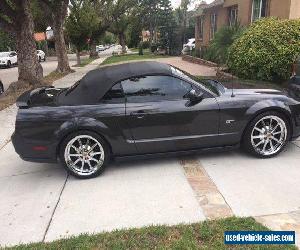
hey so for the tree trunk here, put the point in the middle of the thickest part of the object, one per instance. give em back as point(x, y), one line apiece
point(78, 57)
point(30, 70)
point(93, 52)
point(122, 42)
point(58, 31)
point(60, 48)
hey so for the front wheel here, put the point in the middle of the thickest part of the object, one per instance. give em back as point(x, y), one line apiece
point(84, 154)
point(267, 135)
point(8, 64)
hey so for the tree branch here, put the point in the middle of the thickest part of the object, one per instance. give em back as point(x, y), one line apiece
point(7, 10)
point(5, 25)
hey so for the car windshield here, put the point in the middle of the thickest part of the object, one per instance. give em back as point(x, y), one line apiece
point(211, 85)
point(4, 54)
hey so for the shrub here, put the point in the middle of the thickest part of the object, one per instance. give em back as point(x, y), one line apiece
point(146, 44)
point(141, 52)
point(153, 47)
point(224, 38)
point(266, 50)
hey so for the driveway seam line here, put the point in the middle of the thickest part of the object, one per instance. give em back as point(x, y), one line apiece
point(33, 172)
point(209, 197)
point(54, 210)
point(5, 143)
point(275, 214)
point(295, 144)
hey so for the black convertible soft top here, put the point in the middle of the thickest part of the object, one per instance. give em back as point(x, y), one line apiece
point(94, 85)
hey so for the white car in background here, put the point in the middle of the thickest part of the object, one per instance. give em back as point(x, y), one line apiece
point(100, 48)
point(41, 55)
point(7, 59)
point(191, 43)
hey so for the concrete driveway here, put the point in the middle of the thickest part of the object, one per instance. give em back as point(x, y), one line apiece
point(40, 202)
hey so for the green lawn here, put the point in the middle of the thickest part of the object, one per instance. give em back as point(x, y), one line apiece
point(205, 235)
point(133, 57)
point(85, 62)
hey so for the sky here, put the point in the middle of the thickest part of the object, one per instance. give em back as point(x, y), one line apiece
point(176, 3)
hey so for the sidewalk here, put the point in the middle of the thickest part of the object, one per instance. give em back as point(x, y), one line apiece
point(8, 115)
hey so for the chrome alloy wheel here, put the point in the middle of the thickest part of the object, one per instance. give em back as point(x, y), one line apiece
point(269, 135)
point(84, 155)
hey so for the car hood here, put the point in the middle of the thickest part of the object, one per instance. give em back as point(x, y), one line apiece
point(4, 58)
point(254, 92)
point(264, 93)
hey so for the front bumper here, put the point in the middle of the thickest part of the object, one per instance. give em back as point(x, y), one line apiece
point(26, 150)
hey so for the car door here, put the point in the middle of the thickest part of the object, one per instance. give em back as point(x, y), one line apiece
point(162, 118)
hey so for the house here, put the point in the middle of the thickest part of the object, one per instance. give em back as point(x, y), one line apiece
point(211, 17)
point(39, 37)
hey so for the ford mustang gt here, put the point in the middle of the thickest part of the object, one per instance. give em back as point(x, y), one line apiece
point(148, 109)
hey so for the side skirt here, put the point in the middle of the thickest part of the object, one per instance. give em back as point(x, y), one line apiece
point(176, 153)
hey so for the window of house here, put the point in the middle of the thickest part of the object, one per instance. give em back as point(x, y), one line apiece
point(233, 15)
point(213, 25)
point(155, 88)
point(259, 9)
point(201, 25)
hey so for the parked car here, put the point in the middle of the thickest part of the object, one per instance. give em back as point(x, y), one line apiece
point(143, 109)
point(100, 48)
point(41, 55)
point(190, 44)
point(1, 87)
point(7, 59)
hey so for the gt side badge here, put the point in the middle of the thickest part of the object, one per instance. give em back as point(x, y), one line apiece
point(229, 121)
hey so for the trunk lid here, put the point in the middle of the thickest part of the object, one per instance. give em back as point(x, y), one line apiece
point(44, 96)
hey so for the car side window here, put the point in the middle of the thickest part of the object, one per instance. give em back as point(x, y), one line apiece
point(155, 88)
point(114, 95)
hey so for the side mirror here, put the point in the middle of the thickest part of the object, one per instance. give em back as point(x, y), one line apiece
point(195, 97)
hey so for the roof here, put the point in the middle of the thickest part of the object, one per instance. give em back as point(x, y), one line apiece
point(94, 85)
point(214, 4)
point(39, 37)
point(203, 6)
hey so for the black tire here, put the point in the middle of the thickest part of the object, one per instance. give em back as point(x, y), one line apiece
point(96, 137)
point(44, 58)
point(1, 88)
point(8, 64)
point(247, 141)
point(40, 59)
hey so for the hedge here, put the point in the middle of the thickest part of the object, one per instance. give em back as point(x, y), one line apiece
point(266, 51)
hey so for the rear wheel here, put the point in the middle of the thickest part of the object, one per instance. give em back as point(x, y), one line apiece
point(1, 88)
point(84, 154)
point(267, 135)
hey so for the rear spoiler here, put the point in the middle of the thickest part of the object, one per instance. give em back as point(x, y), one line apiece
point(26, 98)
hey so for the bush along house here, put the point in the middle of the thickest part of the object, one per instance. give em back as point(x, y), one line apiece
point(211, 17)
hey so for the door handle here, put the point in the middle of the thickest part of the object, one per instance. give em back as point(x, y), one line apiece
point(138, 114)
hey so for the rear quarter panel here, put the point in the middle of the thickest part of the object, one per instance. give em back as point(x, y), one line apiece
point(50, 125)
